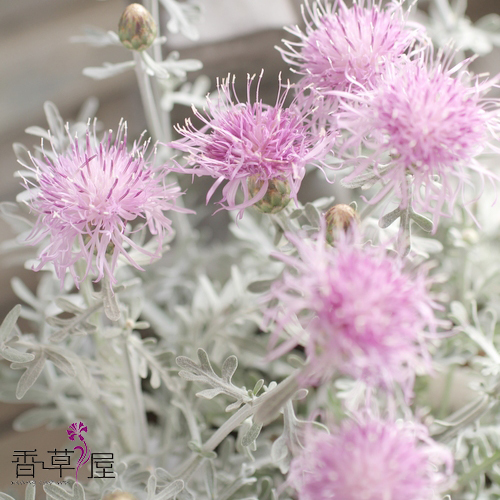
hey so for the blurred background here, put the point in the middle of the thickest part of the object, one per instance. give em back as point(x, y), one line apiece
point(39, 64)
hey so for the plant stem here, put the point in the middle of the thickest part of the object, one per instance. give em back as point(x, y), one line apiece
point(138, 409)
point(148, 101)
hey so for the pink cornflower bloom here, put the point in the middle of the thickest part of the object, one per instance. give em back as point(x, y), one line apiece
point(371, 459)
point(244, 141)
point(346, 48)
point(360, 313)
point(87, 198)
point(421, 129)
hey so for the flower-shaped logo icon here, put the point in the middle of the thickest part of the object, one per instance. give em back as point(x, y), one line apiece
point(77, 429)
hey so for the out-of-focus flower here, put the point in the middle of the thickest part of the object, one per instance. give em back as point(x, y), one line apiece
point(361, 313)
point(371, 459)
point(245, 141)
point(346, 48)
point(87, 198)
point(421, 128)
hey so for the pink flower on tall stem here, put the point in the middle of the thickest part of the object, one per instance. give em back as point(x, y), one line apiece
point(88, 198)
point(371, 459)
point(346, 48)
point(361, 313)
point(421, 129)
point(246, 146)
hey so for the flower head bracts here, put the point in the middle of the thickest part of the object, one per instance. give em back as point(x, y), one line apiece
point(86, 199)
point(423, 125)
point(362, 314)
point(243, 140)
point(346, 48)
point(372, 459)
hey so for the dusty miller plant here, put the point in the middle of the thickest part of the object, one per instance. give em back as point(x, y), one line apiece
point(315, 352)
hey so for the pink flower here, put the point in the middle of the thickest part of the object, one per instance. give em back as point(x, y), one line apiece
point(346, 48)
point(422, 127)
point(244, 140)
point(87, 198)
point(371, 459)
point(362, 314)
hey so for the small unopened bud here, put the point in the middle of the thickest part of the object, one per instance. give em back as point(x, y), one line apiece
point(137, 28)
point(277, 195)
point(339, 218)
point(119, 495)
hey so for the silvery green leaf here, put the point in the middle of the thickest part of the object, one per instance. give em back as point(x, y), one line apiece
point(30, 492)
point(181, 17)
point(459, 312)
point(313, 215)
point(389, 218)
point(24, 293)
point(9, 322)
point(422, 222)
point(97, 37)
point(56, 123)
point(56, 492)
point(22, 154)
point(170, 491)
point(17, 222)
point(38, 132)
point(34, 418)
point(210, 480)
point(279, 452)
point(205, 373)
point(257, 387)
point(68, 306)
point(260, 286)
point(30, 376)
point(251, 435)
point(110, 300)
point(4, 496)
point(107, 70)
point(209, 393)
point(228, 368)
point(16, 356)
point(60, 360)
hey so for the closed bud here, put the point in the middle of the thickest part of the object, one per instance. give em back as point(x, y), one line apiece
point(277, 195)
point(339, 218)
point(137, 28)
point(119, 495)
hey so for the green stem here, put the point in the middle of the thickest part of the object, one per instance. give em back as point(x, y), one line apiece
point(148, 101)
point(137, 402)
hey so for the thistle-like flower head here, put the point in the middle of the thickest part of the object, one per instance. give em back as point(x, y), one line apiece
point(252, 142)
point(346, 47)
point(361, 313)
point(424, 120)
point(90, 199)
point(371, 459)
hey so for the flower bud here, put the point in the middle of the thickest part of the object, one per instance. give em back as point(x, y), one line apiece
point(119, 495)
point(339, 218)
point(277, 195)
point(137, 28)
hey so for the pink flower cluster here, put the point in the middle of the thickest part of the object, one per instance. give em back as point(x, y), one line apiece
point(371, 459)
point(362, 313)
point(243, 140)
point(87, 200)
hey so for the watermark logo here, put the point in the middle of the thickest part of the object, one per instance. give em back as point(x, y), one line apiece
point(101, 463)
point(74, 431)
